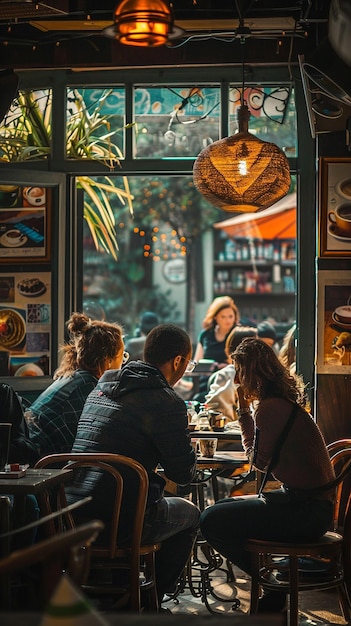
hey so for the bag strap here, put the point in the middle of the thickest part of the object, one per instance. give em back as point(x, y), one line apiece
point(276, 452)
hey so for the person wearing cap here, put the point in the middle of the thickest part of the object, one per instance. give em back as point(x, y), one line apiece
point(266, 332)
point(135, 345)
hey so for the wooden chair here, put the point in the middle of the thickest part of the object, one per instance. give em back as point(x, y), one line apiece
point(136, 562)
point(68, 552)
point(277, 566)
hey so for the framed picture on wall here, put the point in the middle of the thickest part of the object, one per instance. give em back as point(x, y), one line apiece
point(334, 322)
point(24, 223)
point(335, 207)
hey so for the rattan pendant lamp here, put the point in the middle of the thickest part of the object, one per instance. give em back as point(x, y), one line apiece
point(242, 172)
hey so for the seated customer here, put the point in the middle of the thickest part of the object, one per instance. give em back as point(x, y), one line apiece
point(12, 412)
point(267, 332)
point(291, 514)
point(222, 395)
point(94, 346)
point(135, 345)
point(135, 412)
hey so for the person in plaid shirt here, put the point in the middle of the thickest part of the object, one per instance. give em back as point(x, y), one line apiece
point(94, 347)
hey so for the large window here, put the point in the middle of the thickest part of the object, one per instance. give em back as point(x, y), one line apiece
point(162, 262)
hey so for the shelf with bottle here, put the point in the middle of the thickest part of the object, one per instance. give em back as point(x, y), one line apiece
point(269, 279)
point(258, 250)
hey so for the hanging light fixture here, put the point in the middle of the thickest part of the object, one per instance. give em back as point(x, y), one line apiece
point(147, 23)
point(242, 172)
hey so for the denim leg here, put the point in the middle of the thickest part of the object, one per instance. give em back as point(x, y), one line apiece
point(174, 522)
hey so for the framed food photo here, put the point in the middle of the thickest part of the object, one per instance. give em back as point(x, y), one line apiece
point(334, 322)
point(24, 224)
point(25, 323)
point(335, 207)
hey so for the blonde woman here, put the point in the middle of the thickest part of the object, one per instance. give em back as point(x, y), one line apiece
point(222, 315)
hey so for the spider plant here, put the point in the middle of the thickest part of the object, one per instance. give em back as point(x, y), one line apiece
point(25, 134)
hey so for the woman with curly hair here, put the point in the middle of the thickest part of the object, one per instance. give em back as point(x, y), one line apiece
point(93, 347)
point(290, 513)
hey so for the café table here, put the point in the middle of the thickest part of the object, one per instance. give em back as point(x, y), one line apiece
point(37, 482)
point(227, 439)
point(204, 560)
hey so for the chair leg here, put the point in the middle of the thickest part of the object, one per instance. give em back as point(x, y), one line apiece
point(344, 602)
point(150, 575)
point(255, 587)
point(294, 592)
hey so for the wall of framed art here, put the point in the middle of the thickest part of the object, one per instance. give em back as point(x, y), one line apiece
point(335, 208)
point(31, 270)
point(333, 297)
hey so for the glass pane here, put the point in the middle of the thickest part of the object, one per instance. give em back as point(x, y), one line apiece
point(272, 115)
point(155, 250)
point(95, 120)
point(25, 132)
point(175, 122)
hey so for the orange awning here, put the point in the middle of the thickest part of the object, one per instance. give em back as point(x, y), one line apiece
point(277, 222)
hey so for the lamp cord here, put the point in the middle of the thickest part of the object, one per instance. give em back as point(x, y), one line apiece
point(242, 43)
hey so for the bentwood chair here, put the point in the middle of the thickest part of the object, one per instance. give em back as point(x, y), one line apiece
point(125, 573)
point(324, 564)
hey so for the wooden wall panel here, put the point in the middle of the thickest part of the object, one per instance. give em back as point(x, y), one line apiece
point(333, 406)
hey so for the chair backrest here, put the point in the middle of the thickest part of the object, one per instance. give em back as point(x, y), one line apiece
point(113, 464)
point(341, 461)
point(339, 444)
point(68, 552)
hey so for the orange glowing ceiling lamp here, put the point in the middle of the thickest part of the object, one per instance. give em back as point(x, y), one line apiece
point(147, 23)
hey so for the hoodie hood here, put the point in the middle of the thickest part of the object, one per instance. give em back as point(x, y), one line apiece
point(135, 376)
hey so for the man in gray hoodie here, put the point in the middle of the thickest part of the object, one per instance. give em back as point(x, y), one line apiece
point(136, 412)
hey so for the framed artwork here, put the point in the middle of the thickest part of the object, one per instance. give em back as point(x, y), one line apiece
point(24, 223)
point(335, 207)
point(25, 323)
point(334, 323)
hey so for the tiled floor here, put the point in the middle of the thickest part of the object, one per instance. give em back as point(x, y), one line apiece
point(317, 608)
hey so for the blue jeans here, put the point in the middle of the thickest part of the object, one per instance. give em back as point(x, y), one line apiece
point(274, 517)
point(174, 522)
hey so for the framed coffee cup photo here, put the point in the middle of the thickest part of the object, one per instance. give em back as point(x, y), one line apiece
point(25, 225)
point(334, 322)
point(335, 207)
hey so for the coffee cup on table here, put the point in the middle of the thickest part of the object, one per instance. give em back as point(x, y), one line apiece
point(340, 218)
point(208, 446)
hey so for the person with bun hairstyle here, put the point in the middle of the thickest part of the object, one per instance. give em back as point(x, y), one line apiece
point(93, 347)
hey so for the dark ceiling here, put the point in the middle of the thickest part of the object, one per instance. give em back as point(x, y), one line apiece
point(68, 33)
